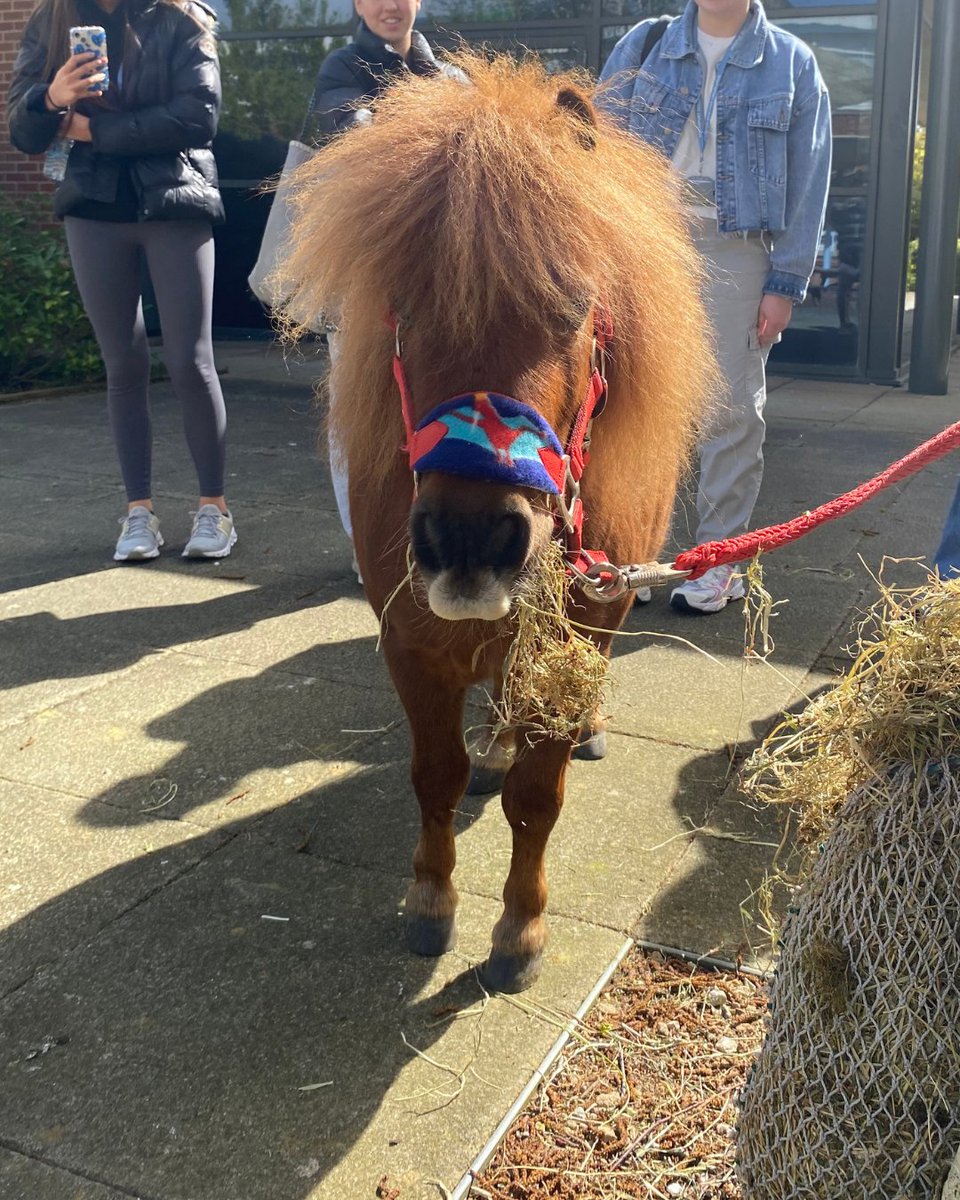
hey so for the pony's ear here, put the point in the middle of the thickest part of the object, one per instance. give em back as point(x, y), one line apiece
point(575, 103)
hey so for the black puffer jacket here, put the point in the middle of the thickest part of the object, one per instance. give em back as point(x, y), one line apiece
point(161, 131)
point(358, 73)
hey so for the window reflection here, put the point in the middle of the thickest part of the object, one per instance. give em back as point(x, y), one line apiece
point(555, 53)
point(639, 10)
point(474, 12)
point(825, 329)
point(776, 6)
point(239, 16)
point(267, 85)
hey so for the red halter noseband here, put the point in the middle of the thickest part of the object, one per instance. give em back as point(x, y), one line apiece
point(485, 435)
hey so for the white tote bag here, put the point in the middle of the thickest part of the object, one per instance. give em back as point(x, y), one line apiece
point(263, 278)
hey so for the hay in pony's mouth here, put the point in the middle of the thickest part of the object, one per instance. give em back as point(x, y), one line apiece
point(553, 676)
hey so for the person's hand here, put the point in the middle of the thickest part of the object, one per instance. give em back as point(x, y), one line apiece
point(773, 316)
point(72, 82)
point(77, 126)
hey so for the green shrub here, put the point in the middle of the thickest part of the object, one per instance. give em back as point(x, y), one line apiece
point(46, 339)
point(912, 268)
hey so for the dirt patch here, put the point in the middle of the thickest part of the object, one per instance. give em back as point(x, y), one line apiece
point(641, 1103)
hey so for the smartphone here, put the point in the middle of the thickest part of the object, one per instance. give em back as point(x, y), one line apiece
point(87, 39)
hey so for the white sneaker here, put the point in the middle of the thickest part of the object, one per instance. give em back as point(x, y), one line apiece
point(642, 596)
point(140, 536)
point(213, 534)
point(711, 592)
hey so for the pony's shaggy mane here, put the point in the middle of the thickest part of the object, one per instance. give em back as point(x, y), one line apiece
point(461, 207)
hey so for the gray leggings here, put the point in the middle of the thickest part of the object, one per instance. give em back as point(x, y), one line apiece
point(107, 265)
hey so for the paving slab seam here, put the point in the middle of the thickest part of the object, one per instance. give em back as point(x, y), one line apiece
point(465, 1186)
point(463, 890)
point(226, 838)
point(12, 1148)
point(660, 741)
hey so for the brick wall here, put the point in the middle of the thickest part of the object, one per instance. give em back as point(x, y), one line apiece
point(19, 175)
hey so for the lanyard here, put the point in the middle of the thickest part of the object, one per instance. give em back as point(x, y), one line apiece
point(704, 115)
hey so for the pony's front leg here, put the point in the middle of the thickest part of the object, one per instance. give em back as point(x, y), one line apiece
point(532, 798)
point(439, 771)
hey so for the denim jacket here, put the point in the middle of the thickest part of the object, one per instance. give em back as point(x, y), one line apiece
point(773, 129)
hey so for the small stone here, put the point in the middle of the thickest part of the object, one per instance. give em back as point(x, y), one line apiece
point(609, 1099)
point(727, 1045)
point(579, 1113)
point(724, 1130)
point(716, 997)
point(607, 1133)
point(674, 1189)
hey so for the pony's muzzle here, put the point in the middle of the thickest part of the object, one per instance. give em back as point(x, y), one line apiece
point(470, 546)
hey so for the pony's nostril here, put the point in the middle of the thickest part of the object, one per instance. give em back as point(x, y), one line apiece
point(509, 541)
point(426, 540)
point(469, 542)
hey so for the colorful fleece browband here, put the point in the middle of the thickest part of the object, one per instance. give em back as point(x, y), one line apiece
point(484, 435)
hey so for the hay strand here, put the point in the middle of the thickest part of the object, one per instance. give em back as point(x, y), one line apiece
point(553, 677)
point(899, 703)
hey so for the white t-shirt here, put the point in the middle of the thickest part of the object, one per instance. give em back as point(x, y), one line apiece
point(686, 157)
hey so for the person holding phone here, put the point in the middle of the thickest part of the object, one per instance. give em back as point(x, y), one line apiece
point(740, 108)
point(140, 180)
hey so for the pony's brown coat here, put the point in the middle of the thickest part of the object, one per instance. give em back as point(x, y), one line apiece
point(493, 220)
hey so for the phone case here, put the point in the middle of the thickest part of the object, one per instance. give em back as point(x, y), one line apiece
point(85, 39)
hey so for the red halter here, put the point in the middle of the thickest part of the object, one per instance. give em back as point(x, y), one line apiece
point(563, 470)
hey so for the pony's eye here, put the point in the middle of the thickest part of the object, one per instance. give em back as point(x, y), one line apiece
point(576, 301)
point(578, 308)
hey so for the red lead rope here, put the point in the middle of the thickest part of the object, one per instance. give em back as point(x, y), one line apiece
point(731, 550)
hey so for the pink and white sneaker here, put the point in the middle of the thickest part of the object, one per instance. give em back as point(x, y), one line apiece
point(708, 594)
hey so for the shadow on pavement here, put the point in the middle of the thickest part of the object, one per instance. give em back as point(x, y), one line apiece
point(174, 1046)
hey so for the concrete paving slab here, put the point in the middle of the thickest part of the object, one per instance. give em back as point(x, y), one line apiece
point(180, 1038)
point(56, 640)
point(709, 899)
point(605, 861)
point(186, 736)
point(24, 1178)
point(652, 689)
point(897, 410)
point(58, 869)
point(253, 711)
point(332, 637)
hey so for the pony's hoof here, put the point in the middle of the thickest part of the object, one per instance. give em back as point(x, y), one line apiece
point(485, 781)
point(431, 936)
point(592, 746)
point(510, 972)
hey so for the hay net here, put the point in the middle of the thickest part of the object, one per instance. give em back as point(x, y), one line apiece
point(856, 1090)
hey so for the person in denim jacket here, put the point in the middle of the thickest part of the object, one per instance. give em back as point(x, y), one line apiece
point(740, 108)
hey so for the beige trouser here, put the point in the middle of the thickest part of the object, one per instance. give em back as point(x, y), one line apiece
point(731, 452)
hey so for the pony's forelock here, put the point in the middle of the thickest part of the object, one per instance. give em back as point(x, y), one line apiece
point(462, 206)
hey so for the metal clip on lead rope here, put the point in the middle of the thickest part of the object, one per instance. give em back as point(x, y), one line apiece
point(623, 579)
